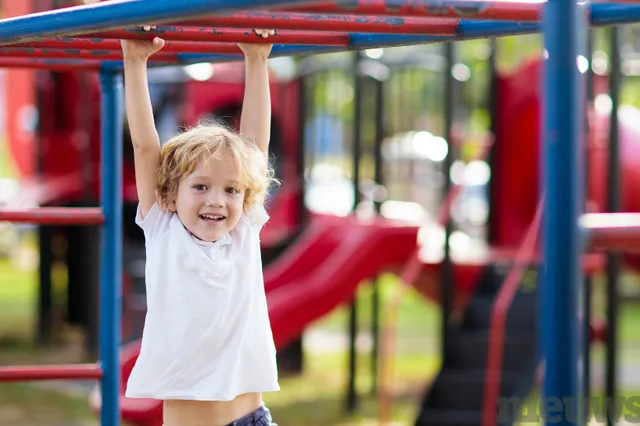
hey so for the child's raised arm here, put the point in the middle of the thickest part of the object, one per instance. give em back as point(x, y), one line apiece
point(255, 121)
point(144, 136)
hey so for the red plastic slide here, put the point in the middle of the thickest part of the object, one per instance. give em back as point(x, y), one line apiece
point(319, 272)
point(347, 253)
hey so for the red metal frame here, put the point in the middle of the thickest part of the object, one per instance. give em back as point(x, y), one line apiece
point(206, 40)
point(328, 22)
point(526, 254)
point(50, 372)
point(52, 65)
point(494, 10)
point(228, 35)
point(28, 52)
point(54, 216)
point(613, 231)
point(114, 45)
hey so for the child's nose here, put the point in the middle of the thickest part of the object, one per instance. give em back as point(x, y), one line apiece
point(216, 198)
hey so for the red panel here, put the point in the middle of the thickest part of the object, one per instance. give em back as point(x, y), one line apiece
point(54, 215)
point(50, 372)
point(515, 160)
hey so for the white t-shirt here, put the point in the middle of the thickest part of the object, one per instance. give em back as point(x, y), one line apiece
point(207, 334)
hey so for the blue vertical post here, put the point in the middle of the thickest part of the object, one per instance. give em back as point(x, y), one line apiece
point(563, 190)
point(111, 255)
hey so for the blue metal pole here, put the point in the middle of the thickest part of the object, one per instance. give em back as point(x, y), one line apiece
point(116, 15)
point(563, 190)
point(111, 254)
point(614, 13)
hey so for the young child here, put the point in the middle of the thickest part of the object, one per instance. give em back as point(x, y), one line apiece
point(207, 348)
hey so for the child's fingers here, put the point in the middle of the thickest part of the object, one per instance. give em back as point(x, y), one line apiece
point(264, 33)
point(148, 27)
point(158, 42)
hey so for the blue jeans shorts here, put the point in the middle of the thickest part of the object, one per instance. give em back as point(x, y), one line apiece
point(260, 417)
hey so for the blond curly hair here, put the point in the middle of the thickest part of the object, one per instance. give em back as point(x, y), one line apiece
point(181, 155)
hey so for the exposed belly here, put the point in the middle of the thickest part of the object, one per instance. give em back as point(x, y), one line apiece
point(209, 413)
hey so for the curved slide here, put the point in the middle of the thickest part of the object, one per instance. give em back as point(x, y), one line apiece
point(307, 284)
point(318, 273)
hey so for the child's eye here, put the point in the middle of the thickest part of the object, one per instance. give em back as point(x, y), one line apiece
point(199, 187)
point(232, 191)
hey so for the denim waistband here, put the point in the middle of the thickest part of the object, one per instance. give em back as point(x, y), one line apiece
point(260, 417)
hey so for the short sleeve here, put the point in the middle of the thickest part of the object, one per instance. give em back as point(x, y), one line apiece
point(257, 217)
point(155, 222)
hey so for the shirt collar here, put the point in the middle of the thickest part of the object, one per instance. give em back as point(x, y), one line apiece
point(222, 241)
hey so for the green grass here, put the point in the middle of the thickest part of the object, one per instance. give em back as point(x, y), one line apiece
point(28, 405)
point(415, 313)
point(17, 302)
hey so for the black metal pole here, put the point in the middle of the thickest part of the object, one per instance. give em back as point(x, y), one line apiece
point(302, 105)
point(613, 205)
point(293, 354)
point(587, 289)
point(44, 303)
point(352, 397)
point(493, 106)
point(378, 178)
point(446, 281)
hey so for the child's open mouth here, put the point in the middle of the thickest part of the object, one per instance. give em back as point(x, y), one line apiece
point(212, 217)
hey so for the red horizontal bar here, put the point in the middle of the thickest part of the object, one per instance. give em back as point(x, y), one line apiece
point(52, 65)
point(28, 52)
point(327, 22)
point(227, 35)
point(55, 216)
point(50, 372)
point(612, 230)
point(494, 10)
point(114, 45)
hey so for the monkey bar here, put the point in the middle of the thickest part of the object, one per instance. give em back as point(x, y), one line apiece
point(54, 216)
point(196, 34)
point(53, 372)
point(619, 231)
point(491, 10)
point(85, 37)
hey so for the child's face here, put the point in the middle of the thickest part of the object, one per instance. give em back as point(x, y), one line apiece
point(210, 200)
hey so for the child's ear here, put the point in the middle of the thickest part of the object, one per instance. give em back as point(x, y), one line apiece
point(172, 206)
